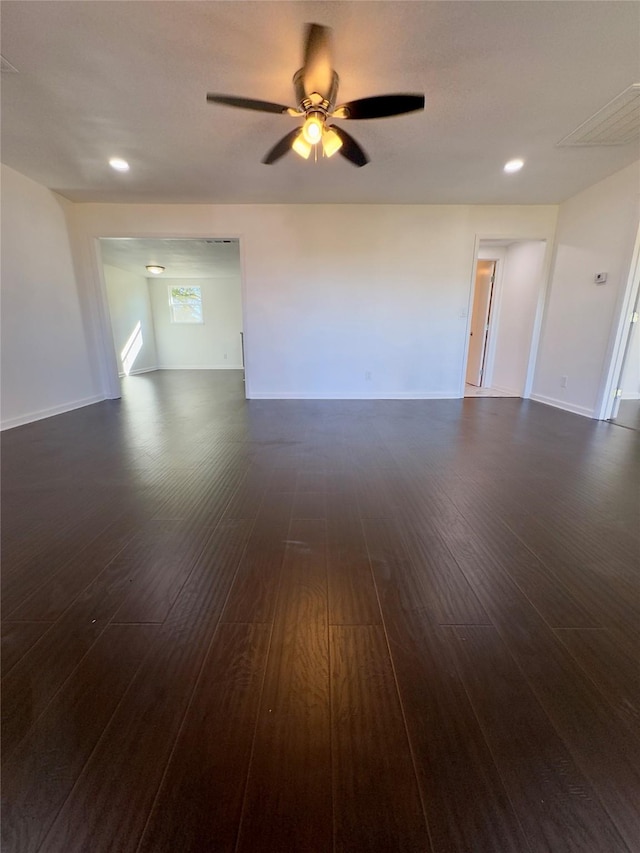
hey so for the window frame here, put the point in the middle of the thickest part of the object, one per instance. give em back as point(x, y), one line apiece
point(172, 306)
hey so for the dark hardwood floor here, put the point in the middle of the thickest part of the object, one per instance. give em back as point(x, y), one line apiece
point(319, 626)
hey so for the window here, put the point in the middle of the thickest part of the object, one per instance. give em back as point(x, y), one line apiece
point(185, 304)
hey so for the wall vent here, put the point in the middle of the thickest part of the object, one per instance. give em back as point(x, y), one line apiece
point(7, 66)
point(617, 123)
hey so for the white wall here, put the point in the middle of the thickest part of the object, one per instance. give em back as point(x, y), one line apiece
point(45, 359)
point(596, 232)
point(335, 292)
point(516, 311)
point(330, 293)
point(130, 307)
point(215, 344)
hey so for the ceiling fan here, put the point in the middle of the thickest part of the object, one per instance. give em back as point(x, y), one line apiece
point(316, 89)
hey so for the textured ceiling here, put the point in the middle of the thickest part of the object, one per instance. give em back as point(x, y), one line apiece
point(502, 80)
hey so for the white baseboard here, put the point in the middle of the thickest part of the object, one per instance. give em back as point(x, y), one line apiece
point(563, 404)
point(630, 395)
point(504, 390)
point(137, 372)
point(225, 366)
point(10, 423)
point(353, 395)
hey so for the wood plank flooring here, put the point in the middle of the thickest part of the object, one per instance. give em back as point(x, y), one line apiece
point(319, 626)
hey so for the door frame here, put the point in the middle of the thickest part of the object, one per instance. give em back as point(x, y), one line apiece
point(494, 321)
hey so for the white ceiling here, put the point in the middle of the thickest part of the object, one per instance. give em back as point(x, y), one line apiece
point(502, 79)
point(180, 258)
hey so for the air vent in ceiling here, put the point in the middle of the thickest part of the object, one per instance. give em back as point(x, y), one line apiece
point(7, 66)
point(617, 123)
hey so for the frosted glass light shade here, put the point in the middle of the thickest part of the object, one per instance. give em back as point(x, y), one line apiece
point(312, 130)
point(331, 142)
point(301, 146)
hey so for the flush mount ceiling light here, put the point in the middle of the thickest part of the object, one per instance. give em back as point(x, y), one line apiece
point(316, 89)
point(154, 269)
point(513, 166)
point(119, 164)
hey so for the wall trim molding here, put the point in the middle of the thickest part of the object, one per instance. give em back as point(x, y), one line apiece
point(630, 395)
point(136, 372)
point(562, 404)
point(40, 415)
point(180, 367)
point(504, 390)
point(226, 366)
point(354, 395)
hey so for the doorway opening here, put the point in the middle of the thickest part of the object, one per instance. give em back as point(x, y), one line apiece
point(505, 304)
point(480, 321)
point(173, 304)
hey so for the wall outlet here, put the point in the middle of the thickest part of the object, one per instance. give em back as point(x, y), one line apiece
point(367, 375)
point(600, 278)
point(563, 381)
point(225, 356)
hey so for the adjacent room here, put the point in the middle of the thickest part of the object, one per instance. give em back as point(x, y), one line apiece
point(173, 304)
point(319, 426)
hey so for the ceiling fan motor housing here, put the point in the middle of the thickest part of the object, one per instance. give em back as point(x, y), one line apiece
point(315, 100)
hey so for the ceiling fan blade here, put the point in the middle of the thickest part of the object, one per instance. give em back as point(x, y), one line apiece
point(281, 147)
point(350, 148)
point(247, 103)
point(317, 70)
point(380, 106)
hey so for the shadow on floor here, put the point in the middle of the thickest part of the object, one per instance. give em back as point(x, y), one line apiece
point(628, 415)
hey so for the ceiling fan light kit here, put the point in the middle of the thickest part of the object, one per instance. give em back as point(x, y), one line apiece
point(316, 90)
point(301, 146)
point(331, 142)
point(313, 127)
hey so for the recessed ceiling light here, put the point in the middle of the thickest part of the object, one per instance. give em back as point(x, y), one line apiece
point(154, 269)
point(513, 166)
point(119, 164)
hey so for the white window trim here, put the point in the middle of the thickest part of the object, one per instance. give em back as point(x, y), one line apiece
point(172, 318)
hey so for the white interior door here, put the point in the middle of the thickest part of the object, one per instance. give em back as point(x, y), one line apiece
point(629, 382)
point(480, 321)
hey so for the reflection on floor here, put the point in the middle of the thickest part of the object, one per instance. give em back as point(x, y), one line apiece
point(474, 391)
point(628, 414)
point(286, 625)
